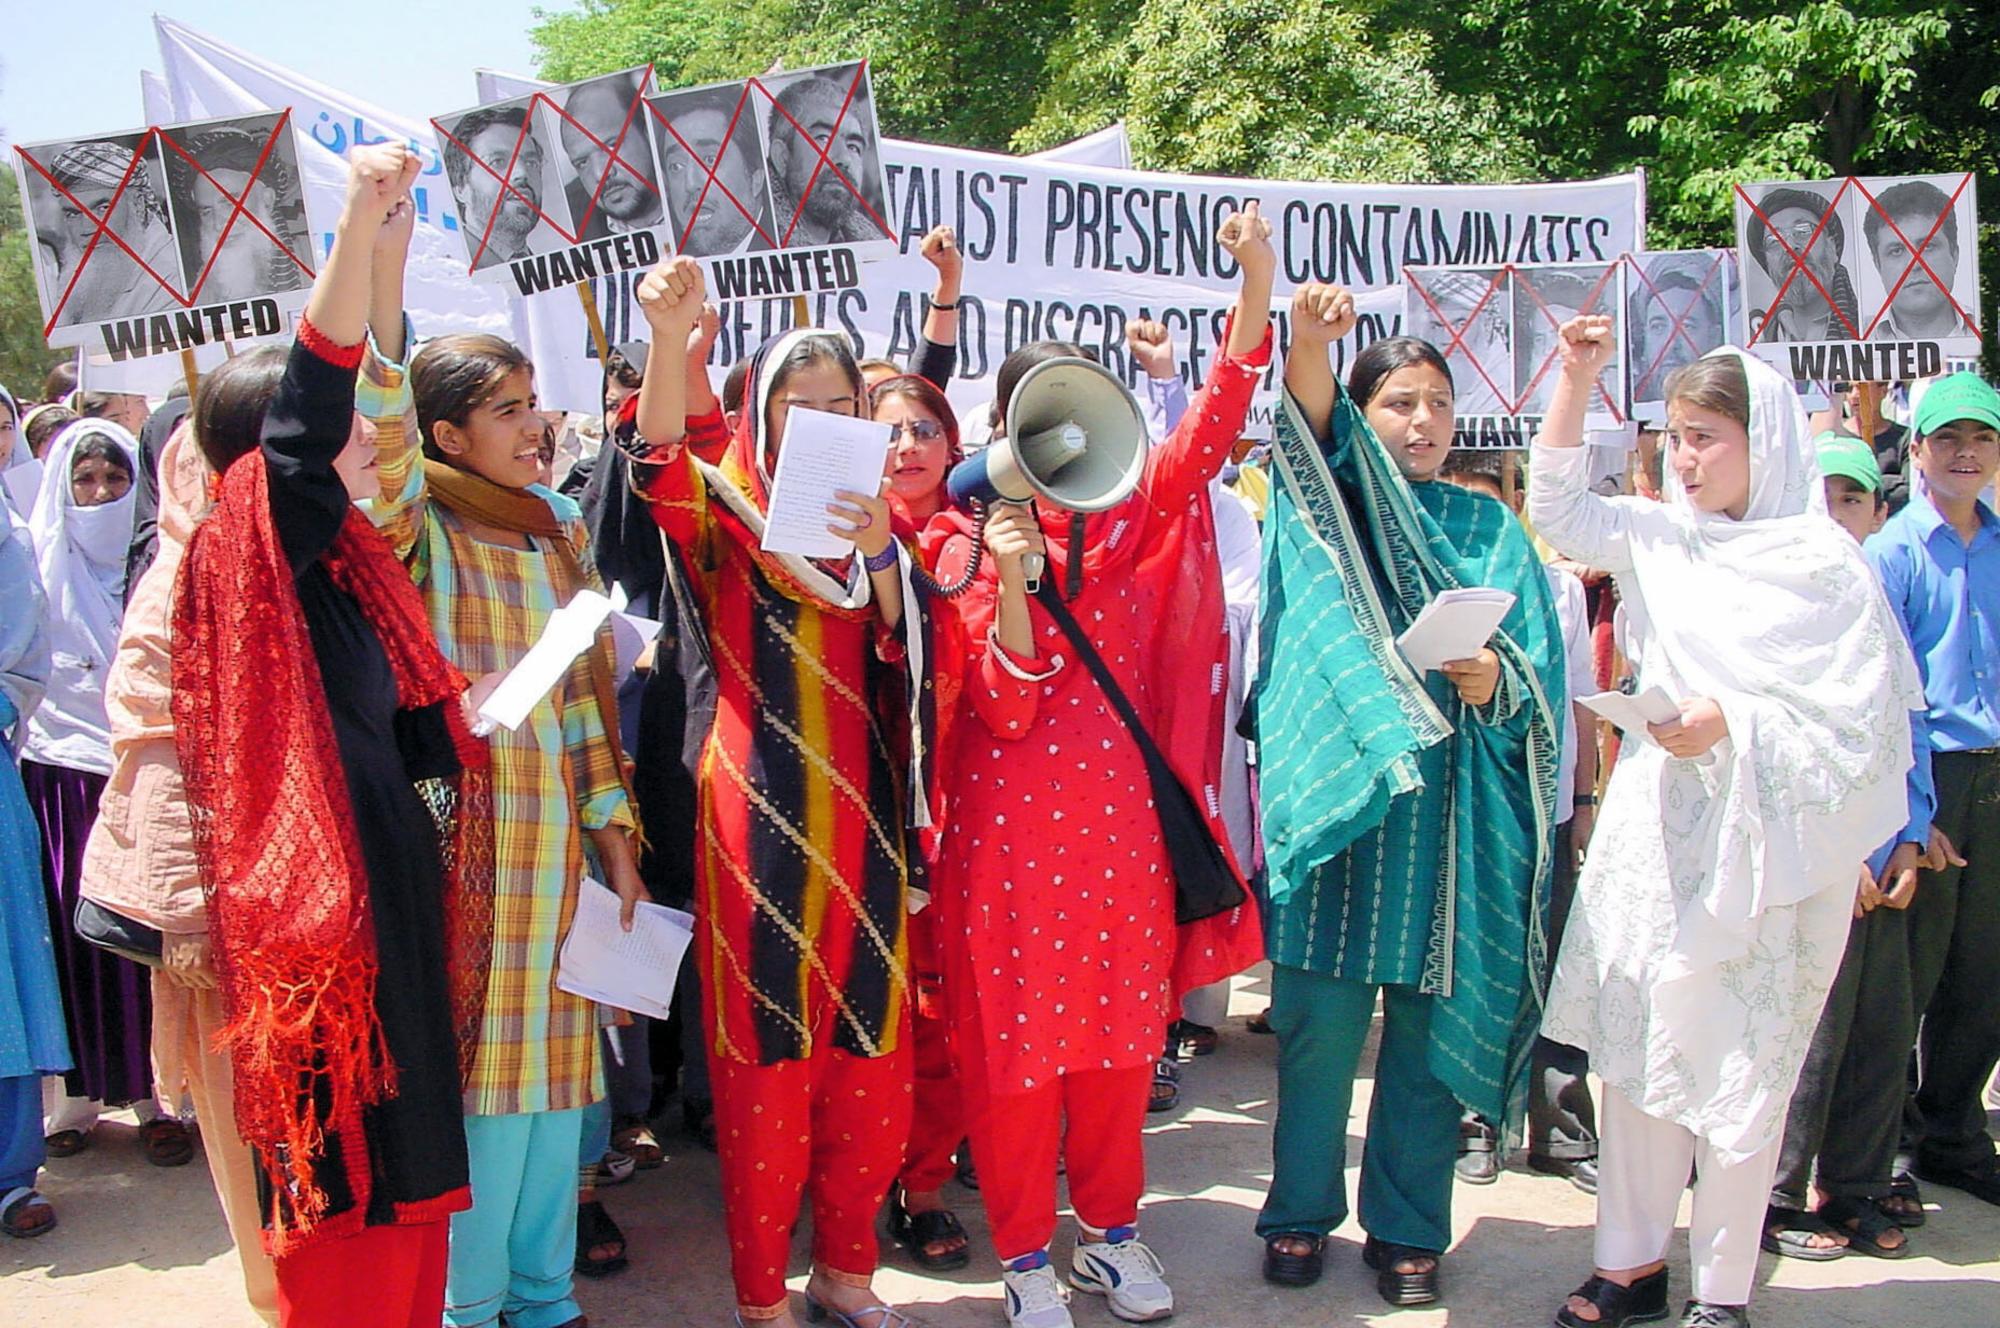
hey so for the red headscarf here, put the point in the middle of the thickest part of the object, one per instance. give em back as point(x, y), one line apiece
point(275, 843)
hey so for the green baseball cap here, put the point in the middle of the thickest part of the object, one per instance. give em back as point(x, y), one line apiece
point(1844, 455)
point(1962, 396)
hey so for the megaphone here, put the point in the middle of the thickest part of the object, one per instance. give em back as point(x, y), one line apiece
point(1075, 437)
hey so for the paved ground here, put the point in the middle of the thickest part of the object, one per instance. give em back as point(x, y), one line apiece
point(140, 1247)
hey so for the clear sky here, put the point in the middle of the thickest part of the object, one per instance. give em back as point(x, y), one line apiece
point(72, 66)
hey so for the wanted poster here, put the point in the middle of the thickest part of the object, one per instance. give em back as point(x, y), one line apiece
point(1498, 329)
point(1862, 279)
point(170, 237)
point(1680, 305)
point(558, 186)
point(776, 183)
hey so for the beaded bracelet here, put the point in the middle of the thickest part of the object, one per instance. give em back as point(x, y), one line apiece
point(883, 561)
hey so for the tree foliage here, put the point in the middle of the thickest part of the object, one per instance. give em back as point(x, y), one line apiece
point(25, 358)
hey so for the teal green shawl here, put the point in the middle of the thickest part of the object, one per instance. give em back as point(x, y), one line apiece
point(1352, 552)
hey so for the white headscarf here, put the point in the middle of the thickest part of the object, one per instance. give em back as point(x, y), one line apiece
point(1779, 619)
point(81, 553)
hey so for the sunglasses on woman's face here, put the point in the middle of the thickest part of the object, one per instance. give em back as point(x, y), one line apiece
point(923, 431)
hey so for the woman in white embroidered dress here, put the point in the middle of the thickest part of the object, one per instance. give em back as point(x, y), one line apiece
point(1712, 912)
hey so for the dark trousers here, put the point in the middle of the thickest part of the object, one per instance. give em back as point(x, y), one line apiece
point(1954, 937)
point(1562, 1119)
point(1847, 1111)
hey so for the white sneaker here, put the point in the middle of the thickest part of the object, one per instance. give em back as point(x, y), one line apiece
point(1126, 1274)
point(1035, 1298)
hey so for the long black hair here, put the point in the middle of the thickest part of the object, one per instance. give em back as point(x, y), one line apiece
point(1382, 358)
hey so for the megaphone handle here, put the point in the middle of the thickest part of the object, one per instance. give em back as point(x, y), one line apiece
point(1032, 567)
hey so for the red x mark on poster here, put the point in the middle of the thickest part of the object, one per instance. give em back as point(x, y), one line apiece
point(1798, 257)
point(102, 224)
point(1917, 258)
point(1458, 330)
point(1522, 281)
point(614, 160)
point(1678, 331)
point(824, 150)
point(709, 169)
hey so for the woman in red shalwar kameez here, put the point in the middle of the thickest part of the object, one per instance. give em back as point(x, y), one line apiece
point(1053, 871)
point(803, 867)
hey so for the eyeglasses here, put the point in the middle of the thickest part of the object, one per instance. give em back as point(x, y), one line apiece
point(847, 405)
point(923, 431)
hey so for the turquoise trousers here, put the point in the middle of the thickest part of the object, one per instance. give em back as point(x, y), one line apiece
point(1406, 1165)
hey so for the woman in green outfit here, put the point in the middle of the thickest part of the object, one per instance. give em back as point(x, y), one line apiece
point(1408, 817)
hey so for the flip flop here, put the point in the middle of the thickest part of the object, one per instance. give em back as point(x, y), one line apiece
point(1793, 1236)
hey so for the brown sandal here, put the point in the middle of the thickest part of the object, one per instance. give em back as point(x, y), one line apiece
point(167, 1142)
point(67, 1143)
point(636, 1140)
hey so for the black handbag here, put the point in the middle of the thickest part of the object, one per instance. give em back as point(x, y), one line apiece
point(117, 933)
point(1204, 882)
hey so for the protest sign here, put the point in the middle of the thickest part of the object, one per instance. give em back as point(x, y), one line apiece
point(1498, 328)
point(206, 78)
point(1860, 279)
point(169, 237)
point(556, 186)
point(776, 182)
point(1060, 248)
point(1680, 305)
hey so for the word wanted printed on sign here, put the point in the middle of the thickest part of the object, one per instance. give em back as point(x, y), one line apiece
point(1498, 327)
point(775, 183)
point(1860, 279)
point(557, 186)
point(169, 237)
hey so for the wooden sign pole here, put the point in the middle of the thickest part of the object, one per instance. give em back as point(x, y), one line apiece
point(1868, 419)
point(588, 298)
point(188, 370)
point(801, 312)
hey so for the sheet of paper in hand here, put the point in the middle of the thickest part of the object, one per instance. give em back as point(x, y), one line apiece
point(627, 970)
point(822, 454)
point(170, 237)
point(776, 183)
point(570, 631)
point(1498, 329)
point(558, 186)
point(1860, 279)
point(1455, 625)
point(1633, 713)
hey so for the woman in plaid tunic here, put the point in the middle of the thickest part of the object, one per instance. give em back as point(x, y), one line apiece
point(495, 555)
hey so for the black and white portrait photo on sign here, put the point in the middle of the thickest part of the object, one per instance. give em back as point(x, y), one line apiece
point(1679, 306)
point(231, 253)
point(101, 232)
point(609, 178)
point(1917, 276)
point(1546, 297)
point(825, 157)
point(1799, 254)
point(712, 165)
point(1468, 313)
point(497, 159)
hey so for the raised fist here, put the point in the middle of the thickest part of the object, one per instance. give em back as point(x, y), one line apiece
point(1321, 314)
point(1247, 237)
point(379, 177)
point(671, 297)
point(1586, 344)
point(940, 249)
point(1152, 347)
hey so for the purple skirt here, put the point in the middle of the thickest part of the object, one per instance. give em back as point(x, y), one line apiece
point(107, 1001)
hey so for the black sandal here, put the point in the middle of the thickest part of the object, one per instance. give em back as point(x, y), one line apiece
point(1643, 1302)
point(594, 1227)
point(1904, 1187)
point(1195, 1039)
point(1165, 1094)
point(1296, 1270)
point(1864, 1225)
point(917, 1232)
point(1402, 1288)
